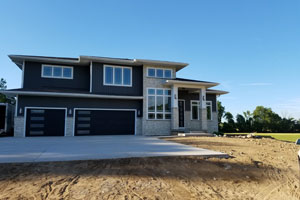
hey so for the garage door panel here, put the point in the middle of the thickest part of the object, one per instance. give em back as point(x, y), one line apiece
point(45, 122)
point(104, 122)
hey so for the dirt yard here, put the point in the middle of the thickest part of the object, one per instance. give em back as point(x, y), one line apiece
point(260, 169)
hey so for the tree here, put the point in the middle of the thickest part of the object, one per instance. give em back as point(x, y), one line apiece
point(3, 86)
point(240, 123)
point(221, 111)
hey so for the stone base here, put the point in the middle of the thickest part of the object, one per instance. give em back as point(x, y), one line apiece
point(19, 127)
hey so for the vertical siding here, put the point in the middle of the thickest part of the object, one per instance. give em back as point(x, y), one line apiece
point(34, 80)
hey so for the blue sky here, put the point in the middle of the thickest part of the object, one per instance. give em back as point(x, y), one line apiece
point(251, 47)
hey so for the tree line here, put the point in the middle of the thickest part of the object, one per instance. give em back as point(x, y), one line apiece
point(262, 120)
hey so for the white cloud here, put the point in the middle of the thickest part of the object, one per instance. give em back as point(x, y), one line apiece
point(257, 84)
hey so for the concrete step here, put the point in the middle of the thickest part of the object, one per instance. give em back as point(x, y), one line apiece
point(200, 134)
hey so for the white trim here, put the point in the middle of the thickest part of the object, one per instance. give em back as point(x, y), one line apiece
point(155, 72)
point(113, 80)
point(45, 108)
point(198, 107)
point(16, 108)
point(62, 73)
point(183, 114)
point(190, 84)
point(210, 102)
point(23, 72)
point(155, 95)
point(112, 109)
point(91, 77)
point(58, 94)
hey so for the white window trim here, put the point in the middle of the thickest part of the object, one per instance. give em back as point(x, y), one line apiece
point(62, 73)
point(155, 112)
point(198, 107)
point(155, 73)
point(122, 83)
point(210, 105)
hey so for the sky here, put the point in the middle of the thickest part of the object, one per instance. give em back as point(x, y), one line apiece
point(252, 48)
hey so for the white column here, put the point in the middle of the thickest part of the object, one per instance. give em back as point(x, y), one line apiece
point(203, 110)
point(174, 104)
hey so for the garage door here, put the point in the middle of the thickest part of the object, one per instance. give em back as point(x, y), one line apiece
point(45, 122)
point(104, 122)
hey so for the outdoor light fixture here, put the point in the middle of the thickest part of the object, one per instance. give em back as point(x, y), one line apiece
point(20, 111)
point(70, 111)
point(139, 112)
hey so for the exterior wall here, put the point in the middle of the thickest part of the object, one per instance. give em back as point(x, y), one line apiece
point(192, 125)
point(213, 98)
point(212, 125)
point(99, 88)
point(19, 127)
point(154, 127)
point(69, 126)
point(34, 80)
point(71, 103)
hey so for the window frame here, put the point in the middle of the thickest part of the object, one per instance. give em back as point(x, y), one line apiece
point(155, 72)
point(198, 107)
point(113, 72)
point(210, 105)
point(155, 112)
point(57, 66)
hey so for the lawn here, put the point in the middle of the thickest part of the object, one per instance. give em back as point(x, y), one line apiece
point(290, 137)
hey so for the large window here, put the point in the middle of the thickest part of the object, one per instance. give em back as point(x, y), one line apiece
point(159, 73)
point(209, 110)
point(117, 76)
point(195, 110)
point(159, 103)
point(53, 71)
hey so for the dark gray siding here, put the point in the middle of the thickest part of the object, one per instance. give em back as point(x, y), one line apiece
point(34, 80)
point(70, 103)
point(185, 95)
point(135, 90)
point(213, 98)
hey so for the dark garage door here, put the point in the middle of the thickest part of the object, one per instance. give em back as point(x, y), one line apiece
point(45, 122)
point(104, 122)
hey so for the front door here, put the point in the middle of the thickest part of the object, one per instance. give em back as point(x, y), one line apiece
point(181, 113)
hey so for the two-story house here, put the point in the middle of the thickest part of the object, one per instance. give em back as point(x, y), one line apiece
point(109, 96)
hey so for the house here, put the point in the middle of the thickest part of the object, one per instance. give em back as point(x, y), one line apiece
point(109, 96)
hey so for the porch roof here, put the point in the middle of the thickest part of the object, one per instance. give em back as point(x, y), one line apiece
point(189, 83)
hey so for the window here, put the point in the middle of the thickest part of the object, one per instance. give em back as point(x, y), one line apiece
point(195, 110)
point(53, 71)
point(117, 76)
point(209, 110)
point(159, 73)
point(159, 103)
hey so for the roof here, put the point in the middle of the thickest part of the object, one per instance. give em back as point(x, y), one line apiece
point(182, 82)
point(219, 92)
point(19, 59)
point(64, 93)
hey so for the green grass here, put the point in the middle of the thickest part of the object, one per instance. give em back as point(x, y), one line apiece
point(290, 137)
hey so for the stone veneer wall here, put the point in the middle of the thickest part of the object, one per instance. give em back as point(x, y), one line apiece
point(153, 127)
point(69, 126)
point(192, 125)
point(212, 125)
point(19, 127)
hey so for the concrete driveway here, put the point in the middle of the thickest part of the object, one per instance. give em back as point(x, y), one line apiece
point(40, 149)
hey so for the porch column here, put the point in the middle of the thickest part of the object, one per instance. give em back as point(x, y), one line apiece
point(203, 109)
point(174, 104)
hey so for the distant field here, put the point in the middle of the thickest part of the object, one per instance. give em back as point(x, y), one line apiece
point(290, 137)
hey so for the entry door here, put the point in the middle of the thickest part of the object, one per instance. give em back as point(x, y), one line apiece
point(181, 113)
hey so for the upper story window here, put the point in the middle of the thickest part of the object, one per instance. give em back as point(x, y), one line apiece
point(117, 75)
point(159, 73)
point(54, 71)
